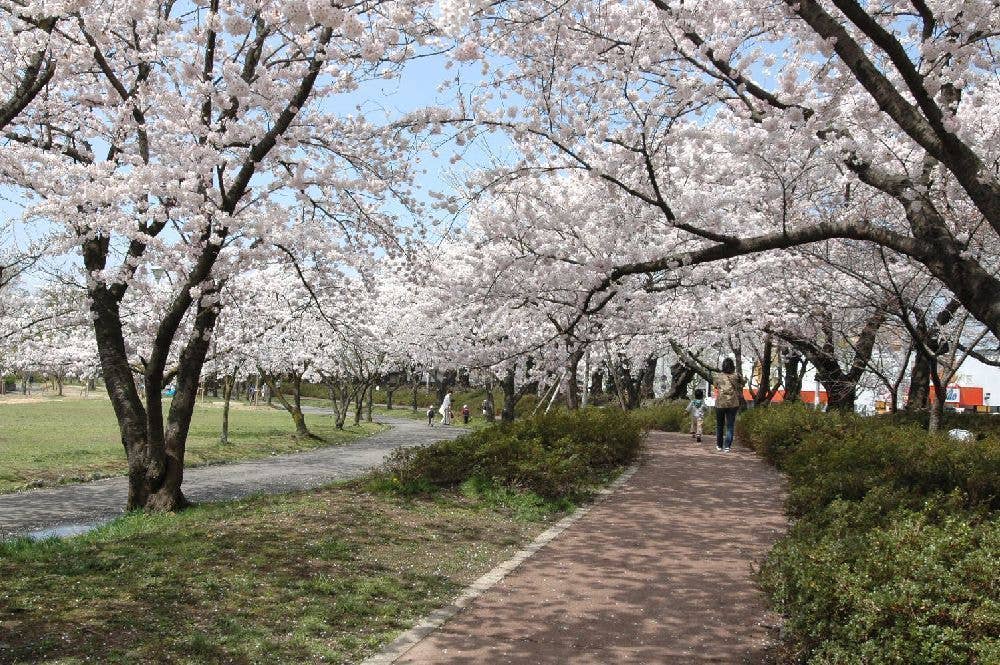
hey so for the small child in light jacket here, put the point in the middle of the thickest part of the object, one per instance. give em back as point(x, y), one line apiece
point(696, 408)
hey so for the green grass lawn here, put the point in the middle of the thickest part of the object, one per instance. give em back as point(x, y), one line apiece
point(50, 441)
point(324, 576)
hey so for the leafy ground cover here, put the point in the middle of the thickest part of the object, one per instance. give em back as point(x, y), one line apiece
point(324, 576)
point(556, 455)
point(895, 544)
point(48, 441)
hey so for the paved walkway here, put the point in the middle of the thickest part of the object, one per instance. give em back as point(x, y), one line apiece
point(660, 572)
point(71, 508)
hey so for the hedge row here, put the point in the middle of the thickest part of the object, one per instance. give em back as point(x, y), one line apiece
point(555, 455)
point(671, 416)
point(894, 555)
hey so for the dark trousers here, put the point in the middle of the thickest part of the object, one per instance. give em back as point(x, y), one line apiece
point(725, 417)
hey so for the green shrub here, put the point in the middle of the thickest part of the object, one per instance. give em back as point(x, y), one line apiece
point(895, 552)
point(775, 429)
point(920, 587)
point(671, 416)
point(555, 455)
point(980, 423)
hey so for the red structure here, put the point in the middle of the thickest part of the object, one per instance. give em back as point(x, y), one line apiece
point(962, 397)
point(805, 396)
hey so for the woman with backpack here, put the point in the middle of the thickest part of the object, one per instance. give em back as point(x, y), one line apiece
point(730, 386)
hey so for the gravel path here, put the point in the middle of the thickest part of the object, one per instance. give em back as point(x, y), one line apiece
point(660, 572)
point(73, 508)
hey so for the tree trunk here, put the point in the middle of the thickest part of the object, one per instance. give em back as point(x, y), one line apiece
point(154, 448)
point(597, 383)
point(918, 397)
point(227, 396)
point(841, 394)
point(294, 407)
point(510, 397)
point(649, 378)
point(488, 409)
point(572, 387)
point(371, 400)
point(936, 407)
point(445, 384)
point(359, 404)
point(794, 372)
point(388, 398)
point(681, 377)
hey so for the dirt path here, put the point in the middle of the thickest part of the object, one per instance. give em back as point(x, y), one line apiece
point(660, 572)
point(70, 508)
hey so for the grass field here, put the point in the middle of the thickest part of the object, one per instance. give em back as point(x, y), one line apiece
point(48, 441)
point(324, 576)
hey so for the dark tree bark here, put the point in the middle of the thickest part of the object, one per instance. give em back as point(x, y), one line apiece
point(489, 412)
point(630, 387)
point(445, 384)
point(794, 373)
point(294, 407)
point(572, 386)
point(681, 376)
point(918, 397)
point(841, 385)
point(597, 383)
point(648, 378)
point(227, 395)
point(766, 390)
point(513, 395)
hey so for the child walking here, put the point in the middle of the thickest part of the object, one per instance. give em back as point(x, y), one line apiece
point(696, 408)
point(430, 416)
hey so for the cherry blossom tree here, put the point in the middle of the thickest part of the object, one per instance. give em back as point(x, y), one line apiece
point(804, 121)
point(172, 140)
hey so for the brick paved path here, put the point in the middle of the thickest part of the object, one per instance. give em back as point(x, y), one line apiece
point(91, 503)
point(660, 572)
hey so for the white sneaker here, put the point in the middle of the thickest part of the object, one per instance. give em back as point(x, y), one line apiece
point(719, 448)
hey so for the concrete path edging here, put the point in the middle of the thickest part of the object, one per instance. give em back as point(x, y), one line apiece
point(398, 647)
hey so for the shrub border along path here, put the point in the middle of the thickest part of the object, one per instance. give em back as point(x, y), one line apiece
point(87, 504)
point(661, 571)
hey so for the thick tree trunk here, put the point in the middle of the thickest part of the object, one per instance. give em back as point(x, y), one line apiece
point(681, 377)
point(794, 372)
point(572, 387)
point(388, 398)
point(371, 400)
point(597, 383)
point(510, 397)
point(918, 397)
point(488, 409)
point(648, 378)
point(841, 394)
point(841, 386)
point(155, 454)
point(445, 384)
